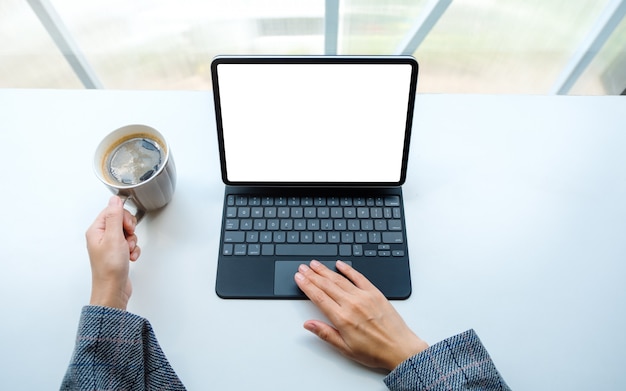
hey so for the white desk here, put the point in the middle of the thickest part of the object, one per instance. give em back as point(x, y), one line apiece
point(516, 214)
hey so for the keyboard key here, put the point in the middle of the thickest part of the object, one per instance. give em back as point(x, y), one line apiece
point(234, 237)
point(394, 225)
point(265, 237)
point(357, 250)
point(336, 213)
point(267, 249)
point(240, 249)
point(392, 237)
point(345, 250)
point(231, 225)
point(392, 201)
point(326, 225)
point(340, 225)
point(308, 250)
point(280, 237)
point(254, 249)
point(283, 212)
point(367, 225)
point(360, 237)
point(257, 212)
point(313, 225)
point(270, 212)
point(374, 237)
point(231, 212)
point(299, 225)
point(286, 225)
point(227, 249)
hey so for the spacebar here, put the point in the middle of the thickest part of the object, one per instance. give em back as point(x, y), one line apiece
point(306, 249)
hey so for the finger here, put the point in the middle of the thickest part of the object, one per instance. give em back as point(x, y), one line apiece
point(354, 276)
point(327, 333)
point(113, 218)
point(334, 284)
point(130, 223)
point(135, 254)
point(133, 248)
point(327, 305)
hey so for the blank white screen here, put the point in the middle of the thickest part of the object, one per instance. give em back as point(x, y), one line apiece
point(314, 122)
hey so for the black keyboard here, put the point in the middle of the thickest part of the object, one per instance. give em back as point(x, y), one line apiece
point(313, 226)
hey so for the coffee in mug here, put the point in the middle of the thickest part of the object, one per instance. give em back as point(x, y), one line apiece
point(136, 163)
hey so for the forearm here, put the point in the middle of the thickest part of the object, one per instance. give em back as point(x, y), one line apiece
point(117, 350)
point(460, 362)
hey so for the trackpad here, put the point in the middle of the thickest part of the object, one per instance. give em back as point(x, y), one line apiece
point(284, 285)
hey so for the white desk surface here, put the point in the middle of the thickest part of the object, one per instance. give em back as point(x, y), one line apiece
point(516, 213)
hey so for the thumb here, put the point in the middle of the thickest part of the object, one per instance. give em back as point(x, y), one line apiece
point(114, 217)
point(327, 333)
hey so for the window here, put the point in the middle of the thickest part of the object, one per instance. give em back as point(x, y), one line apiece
point(471, 46)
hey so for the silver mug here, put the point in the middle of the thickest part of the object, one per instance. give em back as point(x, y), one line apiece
point(155, 188)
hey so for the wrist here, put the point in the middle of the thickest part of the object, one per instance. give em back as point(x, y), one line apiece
point(408, 350)
point(108, 297)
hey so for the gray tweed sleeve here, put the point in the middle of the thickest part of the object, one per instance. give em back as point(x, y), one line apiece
point(460, 362)
point(117, 350)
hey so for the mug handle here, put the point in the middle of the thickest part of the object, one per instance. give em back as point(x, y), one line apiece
point(139, 213)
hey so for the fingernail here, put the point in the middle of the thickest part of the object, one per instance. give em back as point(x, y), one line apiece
point(310, 326)
point(115, 201)
point(299, 277)
point(315, 264)
point(303, 268)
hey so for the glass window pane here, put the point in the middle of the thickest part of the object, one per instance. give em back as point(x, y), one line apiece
point(606, 75)
point(490, 46)
point(375, 26)
point(28, 56)
point(146, 44)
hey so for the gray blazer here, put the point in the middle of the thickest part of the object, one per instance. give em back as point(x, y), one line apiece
point(117, 350)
